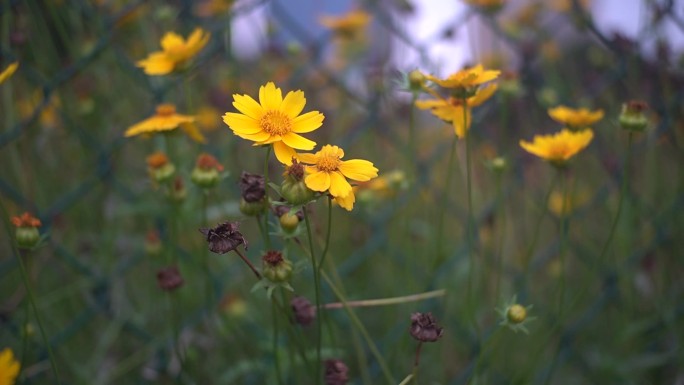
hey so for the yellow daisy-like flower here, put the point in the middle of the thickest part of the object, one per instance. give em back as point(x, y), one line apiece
point(559, 147)
point(166, 119)
point(349, 25)
point(176, 51)
point(575, 118)
point(9, 367)
point(452, 109)
point(9, 71)
point(274, 120)
point(328, 172)
point(466, 78)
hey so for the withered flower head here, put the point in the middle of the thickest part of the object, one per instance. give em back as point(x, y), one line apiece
point(273, 257)
point(253, 187)
point(224, 237)
point(157, 160)
point(208, 162)
point(303, 310)
point(295, 170)
point(169, 278)
point(424, 327)
point(336, 372)
point(26, 220)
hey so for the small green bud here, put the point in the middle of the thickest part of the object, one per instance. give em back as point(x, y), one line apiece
point(252, 209)
point(289, 222)
point(27, 237)
point(293, 188)
point(632, 117)
point(516, 314)
point(416, 80)
point(204, 178)
point(275, 267)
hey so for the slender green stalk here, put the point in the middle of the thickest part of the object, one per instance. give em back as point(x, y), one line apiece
point(470, 223)
point(535, 237)
point(441, 254)
point(502, 231)
point(387, 301)
point(623, 192)
point(267, 236)
point(562, 236)
point(317, 285)
point(406, 380)
point(416, 362)
point(276, 356)
point(209, 289)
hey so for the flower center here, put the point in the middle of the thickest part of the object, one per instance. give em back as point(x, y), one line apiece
point(276, 123)
point(328, 163)
point(558, 150)
point(166, 109)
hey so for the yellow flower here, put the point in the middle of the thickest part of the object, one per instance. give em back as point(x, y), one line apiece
point(576, 119)
point(9, 367)
point(466, 78)
point(166, 119)
point(328, 173)
point(4, 75)
point(274, 120)
point(559, 147)
point(348, 26)
point(176, 51)
point(452, 109)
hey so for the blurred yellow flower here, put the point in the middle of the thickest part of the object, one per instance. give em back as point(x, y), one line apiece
point(274, 120)
point(166, 119)
point(575, 118)
point(9, 367)
point(452, 109)
point(382, 187)
point(176, 51)
point(559, 147)
point(349, 26)
point(328, 173)
point(208, 118)
point(466, 78)
point(4, 75)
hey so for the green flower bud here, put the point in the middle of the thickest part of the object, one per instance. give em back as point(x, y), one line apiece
point(633, 117)
point(293, 188)
point(275, 267)
point(27, 237)
point(516, 314)
point(160, 168)
point(204, 178)
point(252, 209)
point(289, 222)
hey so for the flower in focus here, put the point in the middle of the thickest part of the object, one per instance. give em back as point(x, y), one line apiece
point(559, 147)
point(166, 119)
point(27, 234)
point(424, 327)
point(9, 71)
point(349, 26)
point(452, 109)
point(274, 120)
point(176, 51)
point(575, 118)
point(9, 367)
point(466, 79)
point(224, 237)
point(328, 173)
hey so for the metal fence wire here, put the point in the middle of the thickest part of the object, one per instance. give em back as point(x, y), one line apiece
point(63, 158)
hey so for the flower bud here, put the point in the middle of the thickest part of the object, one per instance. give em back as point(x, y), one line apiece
point(633, 117)
point(160, 168)
point(275, 267)
point(253, 187)
point(293, 188)
point(516, 314)
point(252, 209)
point(424, 327)
point(207, 171)
point(27, 234)
point(304, 311)
point(416, 80)
point(289, 222)
point(178, 191)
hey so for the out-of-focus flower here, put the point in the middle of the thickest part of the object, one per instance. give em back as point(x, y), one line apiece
point(466, 79)
point(177, 191)
point(49, 115)
point(633, 117)
point(208, 118)
point(383, 187)
point(234, 306)
point(349, 26)
point(560, 207)
point(274, 120)
point(27, 234)
point(213, 7)
point(424, 327)
point(224, 237)
point(575, 119)
point(452, 109)
point(9, 367)
point(336, 372)
point(559, 147)
point(304, 311)
point(176, 51)
point(328, 173)
point(207, 171)
point(515, 316)
point(4, 75)
point(166, 119)
point(153, 245)
point(169, 278)
point(159, 167)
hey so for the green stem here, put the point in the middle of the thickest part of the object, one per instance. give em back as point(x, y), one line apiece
point(412, 137)
point(276, 356)
point(205, 255)
point(416, 362)
point(317, 286)
point(267, 236)
point(470, 223)
point(502, 231)
point(443, 209)
point(327, 234)
point(563, 229)
point(537, 226)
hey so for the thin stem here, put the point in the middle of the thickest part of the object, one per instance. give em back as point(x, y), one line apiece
point(24, 330)
point(489, 344)
point(317, 286)
point(470, 223)
point(443, 209)
point(267, 236)
point(205, 254)
point(245, 260)
point(386, 301)
point(502, 231)
point(276, 356)
point(537, 226)
point(412, 136)
point(327, 234)
point(416, 362)
point(563, 240)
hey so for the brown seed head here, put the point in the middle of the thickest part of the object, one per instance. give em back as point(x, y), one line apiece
point(169, 278)
point(224, 237)
point(424, 327)
point(336, 372)
point(636, 106)
point(296, 170)
point(253, 187)
point(304, 311)
point(273, 257)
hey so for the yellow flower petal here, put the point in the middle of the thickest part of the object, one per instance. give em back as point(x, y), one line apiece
point(248, 106)
point(157, 64)
point(270, 97)
point(284, 153)
point(193, 132)
point(299, 142)
point(8, 71)
point(307, 122)
point(346, 202)
point(339, 187)
point(171, 40)
point(307, 158)
point(318, 181)
point(358, 169)
point(293, 104)
point(241, 123)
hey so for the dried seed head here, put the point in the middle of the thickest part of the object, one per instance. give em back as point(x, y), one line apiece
point(275, 267)
point(424, 327)
point(336, 372)
point(304, 311)
point(169, 278)
point(296, 170)
point(224, 237)
point(253, 187)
